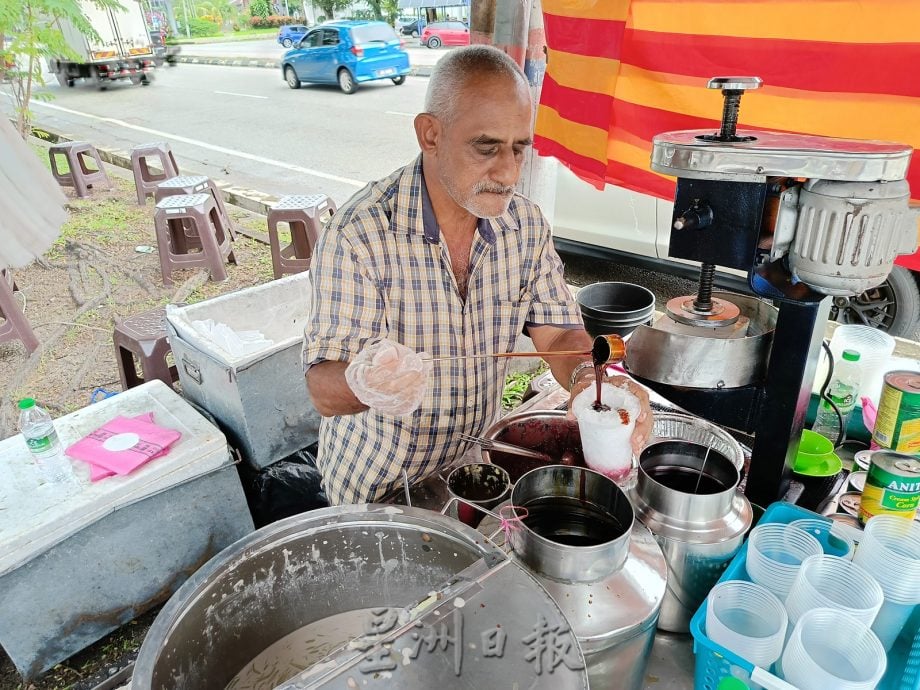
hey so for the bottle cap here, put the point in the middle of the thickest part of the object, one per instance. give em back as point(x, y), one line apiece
point(851, 355)
point(26, 403)
point(732, 683)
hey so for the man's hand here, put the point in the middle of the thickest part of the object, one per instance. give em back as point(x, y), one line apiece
point(643, 422)
point(388, 377)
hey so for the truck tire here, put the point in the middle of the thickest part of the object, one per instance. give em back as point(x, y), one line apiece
point(893, 306)
point(101, 82)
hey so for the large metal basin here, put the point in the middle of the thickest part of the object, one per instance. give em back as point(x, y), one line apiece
point(367, 560)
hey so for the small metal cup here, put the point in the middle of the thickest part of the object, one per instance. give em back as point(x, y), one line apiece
point(477, 484)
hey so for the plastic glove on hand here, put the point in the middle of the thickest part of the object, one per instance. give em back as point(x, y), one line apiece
point(388, 377)
point(643, 427)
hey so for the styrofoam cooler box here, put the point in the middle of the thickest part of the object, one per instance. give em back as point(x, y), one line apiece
point(76, 565)
point(260, 399)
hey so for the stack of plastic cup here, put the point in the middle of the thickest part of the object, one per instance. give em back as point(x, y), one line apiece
point(835, 583)
point(748, 620)
point(890, 552)
point(830, 649)
point(775, 553)
point(831, 534)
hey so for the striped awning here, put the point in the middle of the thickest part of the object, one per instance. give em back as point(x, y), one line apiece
point(621, 71)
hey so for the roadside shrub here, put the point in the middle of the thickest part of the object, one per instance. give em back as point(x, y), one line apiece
point(272, 21)
point(201, 28)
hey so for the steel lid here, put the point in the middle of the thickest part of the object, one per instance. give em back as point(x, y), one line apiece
point(778, 154)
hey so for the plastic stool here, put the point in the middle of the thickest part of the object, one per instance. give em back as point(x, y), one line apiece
point(304, 216)
point(199, 214)
point(195, 184)
point(144, 336)
point(145, 180)
point(80, 176)
point(16, 326)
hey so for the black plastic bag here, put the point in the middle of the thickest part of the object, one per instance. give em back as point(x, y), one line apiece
point(288, 487)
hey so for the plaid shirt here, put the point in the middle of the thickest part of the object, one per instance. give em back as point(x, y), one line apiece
point(380, 271)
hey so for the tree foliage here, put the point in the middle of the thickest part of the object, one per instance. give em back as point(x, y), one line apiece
point(260, 8)
point(30, 33)
point(331, 7)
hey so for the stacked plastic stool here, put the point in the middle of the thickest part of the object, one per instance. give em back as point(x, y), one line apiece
point(145, 179)
point(16, 326)
point(304, 215)
point(143, 336)
point(188, 214)
point(195, 184)
point(79, 175)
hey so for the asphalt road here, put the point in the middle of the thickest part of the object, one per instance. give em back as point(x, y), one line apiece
point(269, 48)
point(245, 126)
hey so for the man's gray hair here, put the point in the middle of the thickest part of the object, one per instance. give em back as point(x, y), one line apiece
point(451, 72)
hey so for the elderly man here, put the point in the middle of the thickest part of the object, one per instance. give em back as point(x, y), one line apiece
point(441, 259)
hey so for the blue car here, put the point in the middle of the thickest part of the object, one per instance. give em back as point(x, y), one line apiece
point(347, 53)
point(289, 34)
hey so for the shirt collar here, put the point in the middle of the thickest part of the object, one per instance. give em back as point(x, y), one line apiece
point(430, 223)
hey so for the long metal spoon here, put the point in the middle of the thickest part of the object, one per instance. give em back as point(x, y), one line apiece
point(561, 353)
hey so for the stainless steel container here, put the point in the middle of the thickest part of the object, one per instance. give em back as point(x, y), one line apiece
point(686, 494)
point(610, 589)
point(401, 597)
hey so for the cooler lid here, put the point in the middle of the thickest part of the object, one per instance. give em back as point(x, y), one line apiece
point(36, 516)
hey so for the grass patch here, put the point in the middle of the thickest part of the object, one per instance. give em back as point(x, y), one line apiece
point(104, 221)
point(243, 35)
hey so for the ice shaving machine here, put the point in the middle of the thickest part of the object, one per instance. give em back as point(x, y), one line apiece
point(809, 218)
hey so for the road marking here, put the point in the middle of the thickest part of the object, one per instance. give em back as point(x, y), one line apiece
point(396, 112)
point(244, 95)
point(205, 145)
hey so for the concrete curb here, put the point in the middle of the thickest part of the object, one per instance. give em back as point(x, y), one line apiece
point(265, 63)
point(249, 199)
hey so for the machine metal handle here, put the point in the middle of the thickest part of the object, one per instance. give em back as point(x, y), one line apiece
point(735, 83)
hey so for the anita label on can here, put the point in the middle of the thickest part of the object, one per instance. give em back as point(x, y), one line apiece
point(897, 426)
point(892, 486)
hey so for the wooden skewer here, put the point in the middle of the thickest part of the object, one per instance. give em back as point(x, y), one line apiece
point(561, 353)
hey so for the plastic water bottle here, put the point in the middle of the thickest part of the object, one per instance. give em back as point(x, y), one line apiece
point(42, 439)
point(844, 391)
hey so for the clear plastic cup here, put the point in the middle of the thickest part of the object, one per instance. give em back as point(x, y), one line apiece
point(831, 535)
point(748, 620)
point(836, 583)
point(890, 552)
point(775, 553)
point(830, 649)
point(605, 435)
point(875, 348)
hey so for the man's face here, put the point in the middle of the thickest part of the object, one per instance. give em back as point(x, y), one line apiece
point(480, 151)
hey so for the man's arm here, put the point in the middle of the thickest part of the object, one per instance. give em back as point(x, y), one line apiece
point(330, 392)
point(554, 338)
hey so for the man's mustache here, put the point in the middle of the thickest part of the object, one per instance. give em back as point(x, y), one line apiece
point(492, 188)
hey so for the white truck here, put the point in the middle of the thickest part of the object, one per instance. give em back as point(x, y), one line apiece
point(123, 49)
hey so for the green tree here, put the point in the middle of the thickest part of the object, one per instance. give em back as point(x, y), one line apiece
point(331, 7)
point(260, 8)
point(30, 32)
point(390, 9)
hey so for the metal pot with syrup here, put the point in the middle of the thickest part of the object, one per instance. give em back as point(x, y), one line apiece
point(686, 494)
point(576, 531)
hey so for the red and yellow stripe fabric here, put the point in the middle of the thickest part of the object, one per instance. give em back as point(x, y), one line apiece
point(621, 71)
